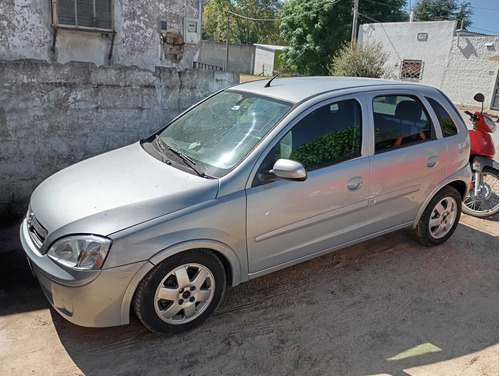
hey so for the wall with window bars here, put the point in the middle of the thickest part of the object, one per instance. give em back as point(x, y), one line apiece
point(53, 115)
point(461, 66)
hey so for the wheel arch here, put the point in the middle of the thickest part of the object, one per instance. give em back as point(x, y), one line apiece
point(228, 258)
point(459, 185)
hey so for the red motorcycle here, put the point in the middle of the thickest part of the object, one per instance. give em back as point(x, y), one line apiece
point(482, 199)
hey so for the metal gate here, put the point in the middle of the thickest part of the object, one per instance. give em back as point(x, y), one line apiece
point(494, 102)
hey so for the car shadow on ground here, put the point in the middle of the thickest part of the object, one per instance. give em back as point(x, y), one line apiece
point(19, 289)
point(382, 306)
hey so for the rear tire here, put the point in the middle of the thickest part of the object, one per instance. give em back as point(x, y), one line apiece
point(181, 292)
point(439, 219)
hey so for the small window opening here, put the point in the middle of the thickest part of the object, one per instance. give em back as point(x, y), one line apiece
point(411, 69)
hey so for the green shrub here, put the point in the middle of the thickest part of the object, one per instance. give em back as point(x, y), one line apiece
point(359, 60)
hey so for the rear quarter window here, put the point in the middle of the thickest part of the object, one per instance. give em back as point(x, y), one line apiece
point(447, 124)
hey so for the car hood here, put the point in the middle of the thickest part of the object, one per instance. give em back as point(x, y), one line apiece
point(115, 190)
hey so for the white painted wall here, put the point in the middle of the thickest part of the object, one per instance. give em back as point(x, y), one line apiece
point(26, 33)
point(471, 69)
point(458, 65)
point(264, 59)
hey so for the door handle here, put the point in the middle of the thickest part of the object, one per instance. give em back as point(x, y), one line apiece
point(354, 183)
point(432, 161)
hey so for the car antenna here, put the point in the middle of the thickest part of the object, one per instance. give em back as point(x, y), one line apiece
point(281, 71)
point(271, 80)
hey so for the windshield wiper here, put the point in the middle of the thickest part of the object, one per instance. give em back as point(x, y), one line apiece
point(188, 161)
point(161, 150)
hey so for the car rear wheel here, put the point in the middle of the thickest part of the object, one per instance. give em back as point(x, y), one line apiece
point(440, 218)
point(181, 292)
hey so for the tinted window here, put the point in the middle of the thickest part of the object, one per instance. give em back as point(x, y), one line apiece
point(447, 125)
point(399, 121)
point(327, 135)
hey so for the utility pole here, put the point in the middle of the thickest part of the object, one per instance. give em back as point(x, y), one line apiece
point(354, 34)
point(227, 41)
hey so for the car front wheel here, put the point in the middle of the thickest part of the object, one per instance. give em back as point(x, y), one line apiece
point(440, 218)
point(181, 292)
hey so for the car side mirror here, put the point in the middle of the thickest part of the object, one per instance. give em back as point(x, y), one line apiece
point(289, 170)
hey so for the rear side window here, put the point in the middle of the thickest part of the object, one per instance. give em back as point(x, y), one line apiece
point(400, 121)
point(448, 127)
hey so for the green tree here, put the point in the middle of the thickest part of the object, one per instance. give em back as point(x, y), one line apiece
point(250, 31)
point(315, 29)
point(359, 60)
point(244, 27)
point(442, 10)
point(215, 20)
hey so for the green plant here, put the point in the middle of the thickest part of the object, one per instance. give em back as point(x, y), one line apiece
point(359, 60)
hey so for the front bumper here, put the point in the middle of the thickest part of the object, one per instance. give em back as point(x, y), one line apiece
point(88, 298)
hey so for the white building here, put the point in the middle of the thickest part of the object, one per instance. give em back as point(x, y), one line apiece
point(460, 63)
point(265, 57)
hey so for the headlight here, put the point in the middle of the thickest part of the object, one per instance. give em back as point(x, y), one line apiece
point(81, 252)
point(490, 123)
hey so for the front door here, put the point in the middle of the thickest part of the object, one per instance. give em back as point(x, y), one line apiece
point(289, 221)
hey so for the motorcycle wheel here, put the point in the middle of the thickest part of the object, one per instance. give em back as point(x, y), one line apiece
point(486, 203)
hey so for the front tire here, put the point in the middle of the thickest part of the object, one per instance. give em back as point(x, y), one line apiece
point(486, 203)
point(439, 219)
point(181, 292)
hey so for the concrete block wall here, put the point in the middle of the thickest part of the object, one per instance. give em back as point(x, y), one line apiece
point(241, 56)
point(53, 115)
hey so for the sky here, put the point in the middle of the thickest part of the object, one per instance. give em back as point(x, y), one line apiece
point(485, 17)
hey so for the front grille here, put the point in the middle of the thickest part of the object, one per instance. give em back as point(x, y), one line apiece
point(37, 232)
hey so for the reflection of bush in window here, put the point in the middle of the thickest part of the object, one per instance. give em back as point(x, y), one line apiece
point(333, 147)
point(449, 128)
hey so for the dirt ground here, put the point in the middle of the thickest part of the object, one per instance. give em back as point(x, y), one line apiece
point(384, 307)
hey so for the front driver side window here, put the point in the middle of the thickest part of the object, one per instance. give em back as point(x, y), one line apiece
point(327, 135)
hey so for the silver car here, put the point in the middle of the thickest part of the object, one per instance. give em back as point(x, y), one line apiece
point(251, 180)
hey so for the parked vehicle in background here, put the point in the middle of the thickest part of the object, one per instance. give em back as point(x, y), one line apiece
point(253, 179)
point(482, 197)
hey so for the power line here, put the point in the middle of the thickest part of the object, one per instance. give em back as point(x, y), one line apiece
point(386, 34)
point(387, 5)
point(253, 19)
point(312, 11)
point(477, 28)
point(494, 10)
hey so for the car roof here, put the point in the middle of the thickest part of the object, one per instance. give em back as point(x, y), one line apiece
point(297, 89)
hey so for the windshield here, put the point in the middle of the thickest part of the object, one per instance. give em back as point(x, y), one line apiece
point(218, 133)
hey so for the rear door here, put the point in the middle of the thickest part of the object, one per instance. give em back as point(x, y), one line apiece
point(408, 161)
